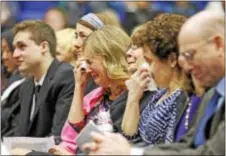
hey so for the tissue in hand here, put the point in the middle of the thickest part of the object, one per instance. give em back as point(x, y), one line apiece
point(83, 65)
point(151, 86)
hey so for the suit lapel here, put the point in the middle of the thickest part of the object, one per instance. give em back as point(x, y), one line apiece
point(201, 110)
point(202, 107)
point(45, 87)
point(26, 103)
point(216, 119)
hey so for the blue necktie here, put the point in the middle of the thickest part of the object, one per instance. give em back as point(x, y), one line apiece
point(211, 107)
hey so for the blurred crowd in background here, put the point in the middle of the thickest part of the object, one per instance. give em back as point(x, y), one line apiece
point(66, 13)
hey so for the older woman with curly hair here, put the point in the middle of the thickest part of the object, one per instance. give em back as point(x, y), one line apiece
point(158, 121)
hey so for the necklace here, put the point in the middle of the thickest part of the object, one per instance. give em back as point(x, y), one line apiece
point(187, 115)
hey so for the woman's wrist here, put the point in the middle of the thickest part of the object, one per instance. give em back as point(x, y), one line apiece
point(134, 96)
point(132, 99)
point(79, 87)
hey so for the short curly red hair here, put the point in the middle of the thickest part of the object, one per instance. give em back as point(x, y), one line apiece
point(160, 34)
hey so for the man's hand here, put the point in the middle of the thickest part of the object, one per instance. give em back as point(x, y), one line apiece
point(108, 144)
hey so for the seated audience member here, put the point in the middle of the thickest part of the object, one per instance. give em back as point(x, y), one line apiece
point(46, 96)
point(201, 44)
point(84, 28)
point(136, 53)
point(10, 107)
point(65, 48)
point(158, 120)
point(135, 56)
point(7, 58)
point(105, 54)
point(56, 18)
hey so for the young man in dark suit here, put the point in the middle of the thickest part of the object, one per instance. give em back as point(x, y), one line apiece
point(201, 42)
point(46, 96)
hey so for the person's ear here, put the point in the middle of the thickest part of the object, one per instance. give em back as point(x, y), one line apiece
point(172, 60)
point(44, 47)
point(219, 41)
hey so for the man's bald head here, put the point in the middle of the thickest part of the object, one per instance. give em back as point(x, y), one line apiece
point(201, 44)
point(201, 26)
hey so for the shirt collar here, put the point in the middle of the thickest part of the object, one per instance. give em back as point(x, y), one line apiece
point(40, 82)
point(220, 87)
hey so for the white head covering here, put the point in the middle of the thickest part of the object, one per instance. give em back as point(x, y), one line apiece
point(92, 19)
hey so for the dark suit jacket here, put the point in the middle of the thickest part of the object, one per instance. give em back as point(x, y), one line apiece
point(11, 107)
point(215, 133)
point(9, 113)
point(14, 77)
point(53, 102)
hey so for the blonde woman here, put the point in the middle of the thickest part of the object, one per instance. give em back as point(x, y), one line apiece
point(65, 48)
point(106, 63)
point(84, 28)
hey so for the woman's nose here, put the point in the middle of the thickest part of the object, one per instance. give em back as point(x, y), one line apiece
point(129, 52)
point(78, 43)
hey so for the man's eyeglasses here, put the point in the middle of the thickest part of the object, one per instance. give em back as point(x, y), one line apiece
point(189, 54)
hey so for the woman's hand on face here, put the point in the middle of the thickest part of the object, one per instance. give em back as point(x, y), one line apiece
point(138, 83)
point(81, 72)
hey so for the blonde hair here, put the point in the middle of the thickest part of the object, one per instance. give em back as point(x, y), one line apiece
point(109, 17)
point(110, 43)
point(64, 39)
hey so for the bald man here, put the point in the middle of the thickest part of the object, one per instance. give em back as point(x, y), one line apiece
point(201, 42)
